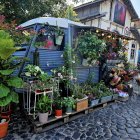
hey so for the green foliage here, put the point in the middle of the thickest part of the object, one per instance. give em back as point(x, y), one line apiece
point(59, 31)
point(70, 13)
point(58, 103)
point(7, 67)
point(44, 104)
point(22, 11)
point(69, 101)
point(90, 46)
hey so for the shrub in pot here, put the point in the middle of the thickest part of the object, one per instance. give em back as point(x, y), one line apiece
point(69, 103)
point(58, 104)
point(43, 108)
point(8, 64)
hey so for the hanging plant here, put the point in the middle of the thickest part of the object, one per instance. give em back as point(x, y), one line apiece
point(90, 47)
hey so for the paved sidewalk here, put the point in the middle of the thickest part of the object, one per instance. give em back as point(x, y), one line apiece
point(118, 121)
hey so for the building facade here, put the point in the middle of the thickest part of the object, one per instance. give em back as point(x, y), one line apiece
point(113, 15)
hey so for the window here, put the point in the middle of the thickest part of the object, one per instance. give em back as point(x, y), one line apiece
point(133, 51)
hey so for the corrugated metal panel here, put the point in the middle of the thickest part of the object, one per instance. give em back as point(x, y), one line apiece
point(50, 59)
point(82, 74)
point(95, 71)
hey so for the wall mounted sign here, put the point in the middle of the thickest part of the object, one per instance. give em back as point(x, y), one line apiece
point(119, 13)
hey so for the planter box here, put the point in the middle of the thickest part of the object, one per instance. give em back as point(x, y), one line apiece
point(82, 104)
point(106, 99)
point(123, 99)
point(94, 102)
point(115, 96)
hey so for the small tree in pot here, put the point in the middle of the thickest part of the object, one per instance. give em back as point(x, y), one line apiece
point(43, 107)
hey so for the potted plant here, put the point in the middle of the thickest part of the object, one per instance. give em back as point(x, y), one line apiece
point(43, 84)
point(43, 107)
point(8, 64)
point(90, 48)
point(4, 122)
point(58, 104)
point(93, 98)
point(69, 103)
point(59, 34)
point(80, 97)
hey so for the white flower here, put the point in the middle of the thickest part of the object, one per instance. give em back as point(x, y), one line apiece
point(37, 68)
point(61, 55)
point(42, 72)
point(28, 74)
point(61, 77)
point(59, 74)
point(73, 61)
point(47, 64)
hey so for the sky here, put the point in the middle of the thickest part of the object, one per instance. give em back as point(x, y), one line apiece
point(136, 4)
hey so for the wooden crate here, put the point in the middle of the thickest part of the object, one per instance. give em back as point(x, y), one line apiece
point(81, 104)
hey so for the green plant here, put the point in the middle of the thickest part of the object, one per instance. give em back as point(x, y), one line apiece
point(69, 102)
point(58, 103)
point(90, 46)
point(32, 70)
point(8, 64)
point(44, 82)
point(78, 91)
point(44, 104)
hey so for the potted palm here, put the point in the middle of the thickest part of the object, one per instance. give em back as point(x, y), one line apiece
point(43, 107)
point(59, 34)
point(69, 103)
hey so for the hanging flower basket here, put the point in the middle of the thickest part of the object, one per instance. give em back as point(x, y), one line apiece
point(58, 40)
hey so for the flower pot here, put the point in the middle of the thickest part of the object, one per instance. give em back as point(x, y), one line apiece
point(68, 110)
point(58, 40)
point(115, 96)
point(82, 104)
point(85, 62)
point(94, 102)
point(43, 117)
point(106, 99)
point(58, 113)
point(4, 127)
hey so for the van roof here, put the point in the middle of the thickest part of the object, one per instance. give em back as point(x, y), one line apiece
point(60, 22)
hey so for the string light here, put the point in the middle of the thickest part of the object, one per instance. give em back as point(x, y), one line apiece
point(103, 34)
point(97, 31)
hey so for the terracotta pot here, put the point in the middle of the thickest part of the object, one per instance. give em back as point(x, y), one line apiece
point(4, 127)
point(43, 117)
point(58, 113)
point(120, 87)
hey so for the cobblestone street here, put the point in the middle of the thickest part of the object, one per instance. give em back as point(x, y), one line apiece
point(118, 121)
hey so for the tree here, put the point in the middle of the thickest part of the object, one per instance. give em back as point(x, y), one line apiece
point(70, 13)
point(21, 10)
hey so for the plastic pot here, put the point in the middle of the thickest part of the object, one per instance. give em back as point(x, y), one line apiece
point(43, 117)
point(106, 99)
point(94, 102)
point(68, 110)
point(4, 127)
point(58, 113)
